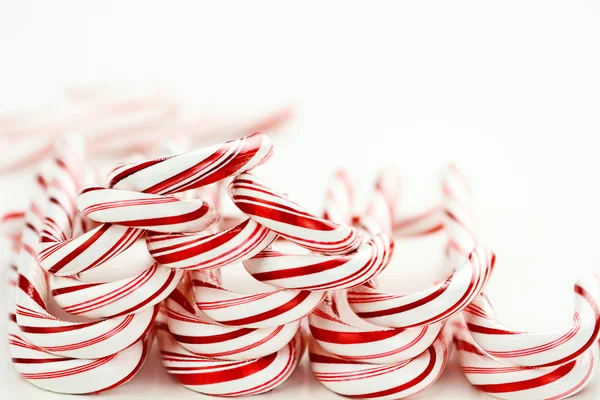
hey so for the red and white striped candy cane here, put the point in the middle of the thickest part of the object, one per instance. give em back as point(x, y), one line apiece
point(339, 198)
point(373, 381)
point(73, 375)
point(194, 331)
point(274, 211)
point(229, 378)
point(108, 123)
point(357, 341)
point(539, 349)
point(259, 310)
point(210, 250)
point(316, 272)
point(508, 381)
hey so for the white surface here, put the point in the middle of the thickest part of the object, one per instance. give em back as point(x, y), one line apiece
point(509, 89)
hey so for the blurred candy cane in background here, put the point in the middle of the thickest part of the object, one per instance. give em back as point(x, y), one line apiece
point(115, 121)
point(376, 345)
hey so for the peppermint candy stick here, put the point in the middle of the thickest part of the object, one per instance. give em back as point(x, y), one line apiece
point(429, 306)
point(322, 272)
point(372, 381)
point(435, 219)
point(43, 347)
point(203, 337)
point(357, 341)
point(260, 310)
point(507, 381)
point(289, 220)
point(210, 250)
point(315, 272)
point(72, 375)
point(229, 378)
point(539, 349)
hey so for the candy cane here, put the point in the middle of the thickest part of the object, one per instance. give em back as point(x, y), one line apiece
point(229, 378)
point(289, 220)
point(200, 335)
point(261, 310)
point(72, 375)
point(508, 381)
point(539, 349)
point(357, 341)
point(339, 198)
point(372, 381)
point(315, 272)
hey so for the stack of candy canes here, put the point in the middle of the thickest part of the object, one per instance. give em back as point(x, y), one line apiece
point(99, 271)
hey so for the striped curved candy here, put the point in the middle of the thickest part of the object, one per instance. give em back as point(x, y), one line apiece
point(367, 343)
point(210, 250)
point(57, 355)
point(539, 349)
point(421, 224)
point(157, 213)
point(214, 341)
point(203, 337)
point(322, 272)
point(194, 169)
point(274, 211)
point(259, 310)
point(428, 306)
point(90, 339)
point(230, 378)
point(507, 381)
point(75, 375)
point(458, 219)
point(372, 381)
point(118, 298)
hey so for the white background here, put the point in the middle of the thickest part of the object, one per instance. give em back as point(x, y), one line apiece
point(510, 90)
